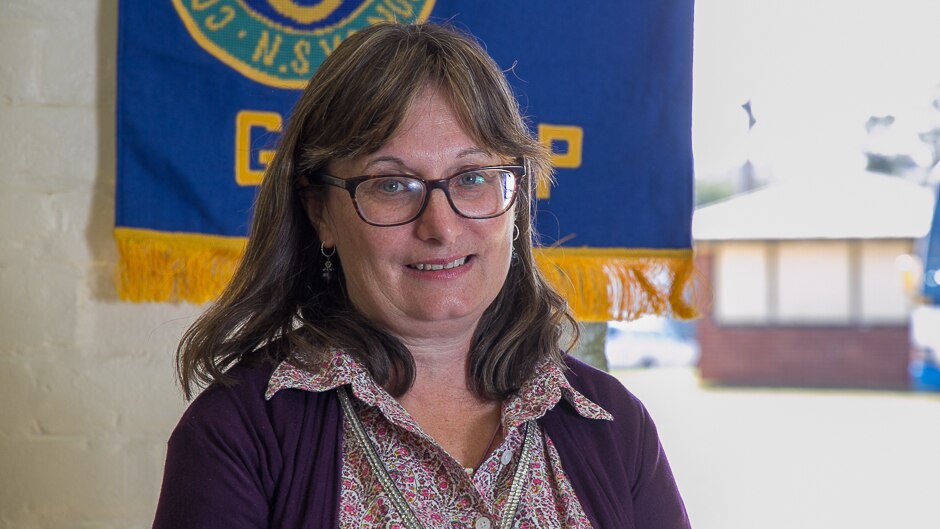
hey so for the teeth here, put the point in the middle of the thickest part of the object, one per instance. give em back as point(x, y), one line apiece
point(448, 266)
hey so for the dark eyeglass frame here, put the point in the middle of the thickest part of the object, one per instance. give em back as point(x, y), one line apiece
point(350, 185)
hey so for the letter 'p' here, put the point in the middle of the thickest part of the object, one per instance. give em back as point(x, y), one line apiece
point(569, 158)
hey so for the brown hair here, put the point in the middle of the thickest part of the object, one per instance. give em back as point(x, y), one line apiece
point(278, 306)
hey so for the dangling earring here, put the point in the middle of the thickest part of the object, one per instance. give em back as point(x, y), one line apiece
point(328, 264)
point(515, 237)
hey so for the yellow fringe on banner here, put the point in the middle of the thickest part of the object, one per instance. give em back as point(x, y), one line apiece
point(600, 284)
point(604, 284)
point(167, 266)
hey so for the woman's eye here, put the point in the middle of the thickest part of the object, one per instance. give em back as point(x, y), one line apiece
point(391, 186)
point(471, 179)
point(394, 186)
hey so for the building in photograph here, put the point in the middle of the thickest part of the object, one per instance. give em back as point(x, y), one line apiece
point(811, 283)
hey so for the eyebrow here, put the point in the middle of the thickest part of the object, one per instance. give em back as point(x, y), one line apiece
point(471, 151)
point(401, 163)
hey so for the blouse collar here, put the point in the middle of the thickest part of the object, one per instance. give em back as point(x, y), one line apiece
point(539, 394)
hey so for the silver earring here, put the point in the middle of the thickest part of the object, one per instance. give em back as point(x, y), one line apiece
point(328, 264)
point(515, 237)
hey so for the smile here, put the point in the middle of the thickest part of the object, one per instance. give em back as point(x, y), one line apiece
point(447, 266)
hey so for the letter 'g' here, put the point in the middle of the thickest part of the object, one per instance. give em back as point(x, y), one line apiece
point(244, 122)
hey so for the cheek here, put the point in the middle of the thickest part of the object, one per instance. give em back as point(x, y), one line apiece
point(367, 252)
point(500, 247)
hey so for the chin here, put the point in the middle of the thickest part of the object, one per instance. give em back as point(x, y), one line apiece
point(451, 310)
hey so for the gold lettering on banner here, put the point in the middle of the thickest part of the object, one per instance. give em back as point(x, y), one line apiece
point(266, 50)
point(245, 121)
point(202, 5)
point(280, 43)
point(305, 14)
point(573, 138)
point(227, 12)
point(300, 64)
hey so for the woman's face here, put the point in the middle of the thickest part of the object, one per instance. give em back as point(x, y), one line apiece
point(384, 278)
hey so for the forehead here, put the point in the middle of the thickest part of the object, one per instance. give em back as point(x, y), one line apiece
point(431, 136)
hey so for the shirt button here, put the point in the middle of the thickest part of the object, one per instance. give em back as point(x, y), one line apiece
point(482, 523)
point(506, 457)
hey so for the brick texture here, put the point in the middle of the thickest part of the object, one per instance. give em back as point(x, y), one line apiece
point(86, 382)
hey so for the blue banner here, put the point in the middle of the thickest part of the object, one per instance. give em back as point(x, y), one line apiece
point(204, 86)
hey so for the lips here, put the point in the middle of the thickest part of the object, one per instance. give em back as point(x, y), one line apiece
point(439, 266)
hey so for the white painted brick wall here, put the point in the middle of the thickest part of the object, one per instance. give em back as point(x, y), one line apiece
point(87, 395)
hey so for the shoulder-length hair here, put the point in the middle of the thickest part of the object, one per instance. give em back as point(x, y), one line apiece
point(279, 307)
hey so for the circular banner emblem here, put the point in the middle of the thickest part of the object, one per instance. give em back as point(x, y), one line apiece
point(282, 42)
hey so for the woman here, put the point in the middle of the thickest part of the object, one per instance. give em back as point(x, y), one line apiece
point(388, 355)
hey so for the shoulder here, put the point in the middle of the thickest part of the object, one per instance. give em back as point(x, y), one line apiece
point(241, 395)
point(618, 468)
point(631, 425)
point(237, 413)
point(226, 417)
point(236, 458)
point(630, 434)
point(245, 382)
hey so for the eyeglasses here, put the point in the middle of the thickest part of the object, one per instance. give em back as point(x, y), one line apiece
point(393, 200)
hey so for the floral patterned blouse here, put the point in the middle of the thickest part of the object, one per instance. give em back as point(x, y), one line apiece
point(441, 493)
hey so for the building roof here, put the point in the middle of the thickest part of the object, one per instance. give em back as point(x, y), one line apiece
point(866, 206)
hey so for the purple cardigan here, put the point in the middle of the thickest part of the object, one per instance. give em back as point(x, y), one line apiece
point(238, 461)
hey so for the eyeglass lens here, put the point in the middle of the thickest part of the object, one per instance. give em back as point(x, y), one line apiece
point(481, 193)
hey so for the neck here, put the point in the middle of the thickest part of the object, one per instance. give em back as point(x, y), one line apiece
point(440, 361)
point(441, 401)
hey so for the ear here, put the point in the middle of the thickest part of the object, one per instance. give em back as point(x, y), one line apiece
point(319, 216)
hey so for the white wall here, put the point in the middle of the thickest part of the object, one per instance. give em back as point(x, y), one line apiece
point(741, 282)
point(814, 282)
point(819, 282)
point(87, 396)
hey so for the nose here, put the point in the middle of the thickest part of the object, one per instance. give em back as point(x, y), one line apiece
point(439, 221)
